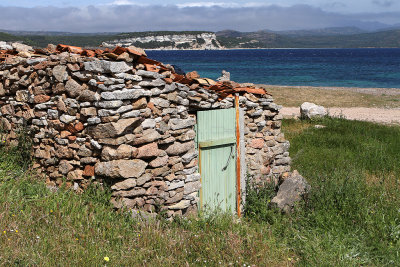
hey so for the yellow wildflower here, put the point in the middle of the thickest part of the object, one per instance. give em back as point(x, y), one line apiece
point(106, 258)
point(16, 231)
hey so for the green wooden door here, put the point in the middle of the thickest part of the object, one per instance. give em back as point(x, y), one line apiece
point(216, 138)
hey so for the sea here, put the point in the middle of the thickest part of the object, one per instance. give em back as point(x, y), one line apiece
point(361, 67)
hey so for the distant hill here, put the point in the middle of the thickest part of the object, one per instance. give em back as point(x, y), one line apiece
point(9, 38)
point(344, 37)
point(265, 39)
point(324, 31)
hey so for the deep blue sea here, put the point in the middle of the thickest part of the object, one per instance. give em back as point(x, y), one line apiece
point(310, 67)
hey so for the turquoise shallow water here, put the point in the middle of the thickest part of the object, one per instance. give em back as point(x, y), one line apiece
point(309, 67)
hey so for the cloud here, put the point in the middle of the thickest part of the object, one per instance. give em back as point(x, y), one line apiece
point(124, 16)
point(383, 3)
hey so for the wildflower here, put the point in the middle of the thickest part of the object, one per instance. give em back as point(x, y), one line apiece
point(4, 232)
point(51, 211)
point(16, 231)
point(106, 258)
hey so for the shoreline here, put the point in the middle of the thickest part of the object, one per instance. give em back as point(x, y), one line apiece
point(274, 48)
point(363, 90)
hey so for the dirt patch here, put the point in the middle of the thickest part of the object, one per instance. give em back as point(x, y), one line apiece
point(294, 96)
point(379, 115)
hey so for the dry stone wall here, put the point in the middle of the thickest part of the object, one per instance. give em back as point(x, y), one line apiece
point(95, 121)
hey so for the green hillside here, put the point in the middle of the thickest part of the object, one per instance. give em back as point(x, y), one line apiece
point(9, 38)
point(325, 38)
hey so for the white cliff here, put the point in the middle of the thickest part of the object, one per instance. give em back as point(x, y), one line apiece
point(202, 41)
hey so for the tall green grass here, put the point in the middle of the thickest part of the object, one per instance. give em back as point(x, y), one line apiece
point(351, 217)
point(43, 228)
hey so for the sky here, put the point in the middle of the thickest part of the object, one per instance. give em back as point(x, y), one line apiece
point(134, 15)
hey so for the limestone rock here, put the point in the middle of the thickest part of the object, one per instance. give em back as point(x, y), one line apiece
point(126, 184)
point(73, 88)
point(180, 206)
point(177, 124)
point(179, 148)
point(121, 168)
point(192, 187)
point(60, 73)
point(113, 129)
point(148, 151)
point(311, 110)
point(292, 190)
point(103, 66)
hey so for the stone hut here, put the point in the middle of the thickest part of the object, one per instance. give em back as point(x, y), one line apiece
point(161, 141)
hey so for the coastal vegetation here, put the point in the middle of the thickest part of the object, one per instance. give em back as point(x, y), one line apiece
point(351, 217)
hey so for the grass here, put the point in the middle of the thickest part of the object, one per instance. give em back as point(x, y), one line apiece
point(295, 96)
point(351, 218)
point(41, 228)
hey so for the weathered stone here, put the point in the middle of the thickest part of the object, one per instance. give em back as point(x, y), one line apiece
point(148, 151)
point(67, 118)
point(292, 190)
point(42, 154)
point(110, 104)
point(177, 197)
point(84, 151)
point(149, 135)
point(180, 206)
point(125, 94)
point(192, 187)
point(113, 129)
point(88, 96)
point(141, 103)
point(311, 110)
point(75, 175)
point(176, 184)
point(22, 96)
point(73, 88)
point(121, 168)
point(179, 148)
point(103, 66)
point(148, 74)
point(152, 83)
point(65, 167)
point(60, 73)
point(38, 99)
point(124, 185)
point(132, 193)
point(257, 143)
point(148, 123)
point(162, 171)
point(2, 90)
point(193, 178)
point(89, 111)
point(144, 179)
point(63, 152)
point(88, 171)
point(177, 124)
point(158, 162)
